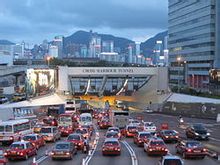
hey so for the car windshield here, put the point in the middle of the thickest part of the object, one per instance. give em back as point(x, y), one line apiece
point(169, 132)
point(73, 137)
point(149, 124)
point(110, 134)
point(172, 162)
point(111, 143)
point(17, 146)
point(114, 129)
point(159, 142)
point(62, 146)
point(193, 144)
point(65, 119)
point(46, 130)
point(199, 127)
point(81, 131)
point(87, 118)
point(29, 138)
point(145, 135)
point(131, 127)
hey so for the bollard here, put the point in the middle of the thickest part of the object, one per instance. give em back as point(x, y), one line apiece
point(34, 161)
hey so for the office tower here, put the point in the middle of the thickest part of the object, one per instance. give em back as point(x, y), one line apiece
point(193, 42)
point(58, 41)
point(53, 51)
point(94, 46)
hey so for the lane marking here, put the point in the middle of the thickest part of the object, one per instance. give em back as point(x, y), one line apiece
point(132, 153)
point(91, 152)
point(41, 159)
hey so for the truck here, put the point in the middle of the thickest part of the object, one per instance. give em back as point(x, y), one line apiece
point(119, 118)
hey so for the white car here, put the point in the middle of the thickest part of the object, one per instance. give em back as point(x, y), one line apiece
point(149, 127)
point(170, 159)
point(134, 122)
point(3, 99)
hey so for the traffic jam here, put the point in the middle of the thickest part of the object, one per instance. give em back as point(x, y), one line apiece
point(74, 130)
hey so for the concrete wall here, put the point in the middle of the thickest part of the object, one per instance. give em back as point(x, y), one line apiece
point(198, 110)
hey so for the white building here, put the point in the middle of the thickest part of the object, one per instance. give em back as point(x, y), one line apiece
point(6, 54)
point(53, 51)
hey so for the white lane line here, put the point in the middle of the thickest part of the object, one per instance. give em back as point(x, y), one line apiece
point(91, 152)
point(132, 153)
point(41, 159)
point(214, 139)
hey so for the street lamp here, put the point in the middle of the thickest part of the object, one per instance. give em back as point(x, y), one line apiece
point(178, 87)
point(48, 60)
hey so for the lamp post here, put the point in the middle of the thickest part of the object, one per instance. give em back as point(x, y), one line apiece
point(48, 61)
point(178, 87)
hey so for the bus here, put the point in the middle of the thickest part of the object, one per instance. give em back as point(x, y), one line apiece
point(85, 119)
point(72, 105)
point(55, 110)
point(66, 123)
point(13, 130)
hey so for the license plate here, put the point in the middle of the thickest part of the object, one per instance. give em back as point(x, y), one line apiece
point(59, 152)
point(196, 151)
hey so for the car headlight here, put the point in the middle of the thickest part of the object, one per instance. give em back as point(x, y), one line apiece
point(208, 134)
point(196, 134)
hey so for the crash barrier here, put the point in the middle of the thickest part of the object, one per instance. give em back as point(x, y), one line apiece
point(213, 155)
point(198, 110)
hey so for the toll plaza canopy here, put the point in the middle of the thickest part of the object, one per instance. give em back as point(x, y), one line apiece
point(43, 101)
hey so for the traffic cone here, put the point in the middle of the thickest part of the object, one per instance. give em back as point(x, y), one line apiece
point(34, 161)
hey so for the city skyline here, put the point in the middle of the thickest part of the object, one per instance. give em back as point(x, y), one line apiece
point(23, 21)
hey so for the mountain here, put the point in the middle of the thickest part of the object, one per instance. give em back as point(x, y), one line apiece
point(83, 37)
point(6, 42)
point(148, 46)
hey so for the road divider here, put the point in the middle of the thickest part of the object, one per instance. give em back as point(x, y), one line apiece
point(86, 160)
point(132, 153)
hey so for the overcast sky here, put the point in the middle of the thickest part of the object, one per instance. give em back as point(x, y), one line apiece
point(35, 20)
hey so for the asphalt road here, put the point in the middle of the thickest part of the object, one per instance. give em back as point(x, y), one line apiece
point(124, 158)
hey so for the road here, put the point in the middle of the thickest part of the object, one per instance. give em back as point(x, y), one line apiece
point(124, 158)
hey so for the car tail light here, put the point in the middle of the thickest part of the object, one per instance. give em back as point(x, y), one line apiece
point(52, 153)
point(5, 154)
point(166, 136)
point(177, 136)
point(150, 149)
point(11, 138)
point(204, 150)
point(189, 150)
point(67, 153)
point(166, 149)
point(21, 153)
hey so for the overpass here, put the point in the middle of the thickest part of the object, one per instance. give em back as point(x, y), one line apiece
point(17, 69)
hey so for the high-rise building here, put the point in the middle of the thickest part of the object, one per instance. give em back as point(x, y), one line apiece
point(94, 46)
point(194, 41)
point(53, 51)
point(18, 50)
point(131, 53)
point(58, 41)
point(137, 48)
point(6, 53)
point(108, 46)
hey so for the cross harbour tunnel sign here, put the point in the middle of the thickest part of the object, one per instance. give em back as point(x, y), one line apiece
point(112, 70)
point(71, 71)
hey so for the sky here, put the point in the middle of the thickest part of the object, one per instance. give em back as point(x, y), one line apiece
point(35, 20)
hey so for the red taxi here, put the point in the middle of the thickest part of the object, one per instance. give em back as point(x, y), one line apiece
point(76, 139)
point(155, 146)
point(104, 124)
point(111, 146)
point(191, 149)
point(50, 121)
point(142, 137)
point(169, 135)
point(112, 134)
point(20, 150)
point(131, 130)
point(35, 139)
point(84, 132)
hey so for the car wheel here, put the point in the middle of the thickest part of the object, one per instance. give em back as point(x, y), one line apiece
point(26, 157)
point(184, 155)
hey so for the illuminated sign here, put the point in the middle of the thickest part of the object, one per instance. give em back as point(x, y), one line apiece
point(108, 70)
